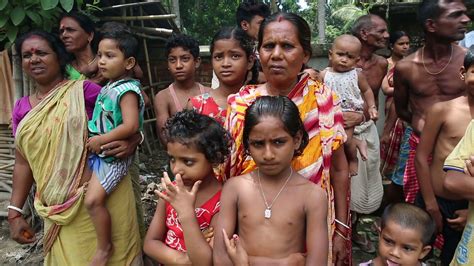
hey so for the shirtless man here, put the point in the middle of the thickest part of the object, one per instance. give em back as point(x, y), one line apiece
point(366, 187)
point(426, 76)
point(444, 127)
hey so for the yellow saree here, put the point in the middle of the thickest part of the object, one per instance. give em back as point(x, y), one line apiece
point(52, 137)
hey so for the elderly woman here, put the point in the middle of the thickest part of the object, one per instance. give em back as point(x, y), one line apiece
point(284, 48)
point(51, 132)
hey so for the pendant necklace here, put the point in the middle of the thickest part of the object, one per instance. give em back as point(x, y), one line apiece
point(268, 210)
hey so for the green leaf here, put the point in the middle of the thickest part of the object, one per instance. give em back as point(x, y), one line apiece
point(3, 21)
point(17, 15)
point(34, 17)
point(3, 37)
point(67, 4)
point(3, 4)
point(49, 4)
point(12, 31)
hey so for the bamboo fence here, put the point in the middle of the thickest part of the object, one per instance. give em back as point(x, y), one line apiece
point(7, 160)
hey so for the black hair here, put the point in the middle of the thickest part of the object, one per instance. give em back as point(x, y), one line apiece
point(86, 24)
point(428, 9)
point(280, 107)
point(469, 58)
point(411, 217)
point(54, 43)
point(247, 10)
point(302, 28)
point(238, 34)
point(396, 35)
point(200, 131)
point(186, 42)
point(121, 34)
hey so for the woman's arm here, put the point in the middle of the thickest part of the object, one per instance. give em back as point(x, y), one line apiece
point(316, 227)
point(22, 182)
point(340, 184)
point(227, 221)
point(154, 245)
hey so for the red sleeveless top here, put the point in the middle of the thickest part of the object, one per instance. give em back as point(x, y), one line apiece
point(204, 214)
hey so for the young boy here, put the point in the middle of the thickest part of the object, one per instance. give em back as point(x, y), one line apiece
point(182, 52)
point(405, 238)
point(118, 114)
point(445, 125)
point(459, 181)
point(250, 15)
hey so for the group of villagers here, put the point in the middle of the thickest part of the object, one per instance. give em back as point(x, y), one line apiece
point(260, 164)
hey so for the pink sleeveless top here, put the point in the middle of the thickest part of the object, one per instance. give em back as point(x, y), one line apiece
point(178, 105)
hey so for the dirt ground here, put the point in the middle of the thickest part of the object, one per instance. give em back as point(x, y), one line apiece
point(151, 168)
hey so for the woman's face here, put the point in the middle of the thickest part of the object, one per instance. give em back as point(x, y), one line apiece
point(401, 46)
point(39, 60)
point(281, 54)
point(74, 37)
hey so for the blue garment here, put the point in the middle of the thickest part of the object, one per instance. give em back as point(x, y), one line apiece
point(399, 171)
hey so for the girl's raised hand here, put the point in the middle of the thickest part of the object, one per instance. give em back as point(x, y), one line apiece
point(180, 198)
point(234, 249)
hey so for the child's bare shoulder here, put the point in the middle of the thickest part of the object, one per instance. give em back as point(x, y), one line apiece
point(239, 181)
point(309, 190)
point(163, 96)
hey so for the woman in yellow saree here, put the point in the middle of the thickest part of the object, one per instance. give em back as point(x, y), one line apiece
point(50, 141)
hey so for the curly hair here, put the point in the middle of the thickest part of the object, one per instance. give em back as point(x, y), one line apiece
point(186, 42)
point(200, 131)
point(276, 106)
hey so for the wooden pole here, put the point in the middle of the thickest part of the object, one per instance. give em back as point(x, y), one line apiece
point(17, 75)
point(322, 21)
point(147, 17)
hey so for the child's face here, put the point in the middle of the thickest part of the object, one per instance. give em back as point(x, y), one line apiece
point(253, 26)
point(401, 246)
point(112, 63)
point(182, 64)
point(468, 77)
point(230, 63)
point(189, 162)
point(344, 56)
point(271, 146)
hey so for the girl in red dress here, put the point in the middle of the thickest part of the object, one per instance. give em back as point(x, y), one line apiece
point(233, 56)
point(190, 205)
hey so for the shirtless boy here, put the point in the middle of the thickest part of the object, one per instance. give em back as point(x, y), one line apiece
point(182, 52)
point(445, 125)
point(426, 76)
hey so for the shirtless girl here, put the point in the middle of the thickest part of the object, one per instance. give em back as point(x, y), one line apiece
point(276, 214)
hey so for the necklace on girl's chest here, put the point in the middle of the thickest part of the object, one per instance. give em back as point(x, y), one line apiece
point(268, 208)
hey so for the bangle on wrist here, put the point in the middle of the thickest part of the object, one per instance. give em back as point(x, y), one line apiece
point(363, 119)
point(343, 224)
point(142, 138)
point(11, 207)
point(342, 235)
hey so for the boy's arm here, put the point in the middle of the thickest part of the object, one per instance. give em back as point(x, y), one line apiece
point(340, 182)
point(428, 139)
point(400, 93)
point(154, 246)
point(129, 126)
point(226, 221)
point(162, 113)
point(459, 184)
point(368, 95)
point(316, 227)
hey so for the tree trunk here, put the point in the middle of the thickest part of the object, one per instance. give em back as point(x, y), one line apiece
point(176, 12)
point(322, 21)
